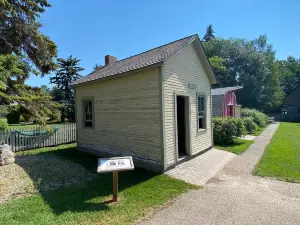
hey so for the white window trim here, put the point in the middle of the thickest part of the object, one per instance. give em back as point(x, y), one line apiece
point(84, 120)
point(199, 94)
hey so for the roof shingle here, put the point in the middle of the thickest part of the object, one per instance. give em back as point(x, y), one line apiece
point(223, 91)
point(141, 60)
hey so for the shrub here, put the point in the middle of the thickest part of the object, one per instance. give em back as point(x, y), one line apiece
point(22, 118)
point(13, 117)
point(3, 125)
point(3, 111)
point(259, 118)
point(250, 126)
point(226, 130)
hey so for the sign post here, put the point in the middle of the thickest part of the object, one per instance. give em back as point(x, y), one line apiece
point(115, 165)
point(115, 186)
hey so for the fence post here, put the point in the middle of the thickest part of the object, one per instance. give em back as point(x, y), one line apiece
point(11, 141)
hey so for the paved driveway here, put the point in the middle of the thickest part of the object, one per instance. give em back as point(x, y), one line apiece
point(234, 196)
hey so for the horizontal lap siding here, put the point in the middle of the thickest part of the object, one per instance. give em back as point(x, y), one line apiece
point(127, 114)
point(217, 105)
point(186, 68)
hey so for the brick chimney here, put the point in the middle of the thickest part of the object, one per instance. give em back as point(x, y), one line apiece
point(110, 59)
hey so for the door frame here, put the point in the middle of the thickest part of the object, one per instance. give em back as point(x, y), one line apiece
point(187, 108)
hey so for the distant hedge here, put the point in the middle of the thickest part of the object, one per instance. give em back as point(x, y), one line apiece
point(227, 129)
point(259, 118)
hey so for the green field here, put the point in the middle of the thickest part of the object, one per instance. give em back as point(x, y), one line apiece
point(281, 159)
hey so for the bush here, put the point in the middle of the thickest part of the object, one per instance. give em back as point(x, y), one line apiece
point(3, 111)
point(259, 118)
point(226, 130)
point(250, 126)
point(13, 117)
point(3, 125)
point(22, 118)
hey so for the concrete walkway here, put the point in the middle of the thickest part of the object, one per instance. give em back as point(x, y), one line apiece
point(202, 168)
point(234, 196)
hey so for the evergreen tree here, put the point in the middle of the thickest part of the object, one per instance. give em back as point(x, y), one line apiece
point(97, 67)
point(24, 50)
point(209, 34)
point(67, 72)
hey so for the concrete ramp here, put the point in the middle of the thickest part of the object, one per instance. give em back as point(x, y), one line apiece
point(202, 168)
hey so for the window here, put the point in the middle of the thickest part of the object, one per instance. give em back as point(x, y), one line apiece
point(88, 113)
point(201, 112)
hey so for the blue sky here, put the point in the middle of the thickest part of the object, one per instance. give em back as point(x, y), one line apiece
point(92, 29)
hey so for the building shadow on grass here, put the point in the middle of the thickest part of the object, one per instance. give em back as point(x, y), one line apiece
point(66, 186)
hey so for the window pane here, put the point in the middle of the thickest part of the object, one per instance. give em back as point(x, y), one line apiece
point(88, 113)
point(201, 103)
point(86, 107)
point(88, 124)
point(90, 106)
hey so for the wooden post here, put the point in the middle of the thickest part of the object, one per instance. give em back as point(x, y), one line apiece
point(115, 186)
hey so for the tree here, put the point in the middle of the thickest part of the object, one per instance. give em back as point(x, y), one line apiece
point(20, 34)
point(45, 89)
point(209, 34)
point(37, 104)
point(97, 67)
point(289, 70)
point(67, 72)
point(250, 64)
point(24, 50)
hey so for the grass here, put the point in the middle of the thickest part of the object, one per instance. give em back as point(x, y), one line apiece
point(259, 130)
point(238, 147)
point(24, 126)
point(140, 193)
point(281, 158)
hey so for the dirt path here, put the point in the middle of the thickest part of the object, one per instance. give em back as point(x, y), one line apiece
point(234, 196)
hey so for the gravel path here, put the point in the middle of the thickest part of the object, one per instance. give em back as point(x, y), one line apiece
point(234, 196)
point(34, 173)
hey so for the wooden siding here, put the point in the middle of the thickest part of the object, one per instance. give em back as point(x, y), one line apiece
point(217, 105)
point(127, 115)
point(293, 99)
point(183, 69)
point(229, 99)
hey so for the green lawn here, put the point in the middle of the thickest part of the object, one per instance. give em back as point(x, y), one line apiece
point(281, 159)
point(140, 192)
point(29, 126)
point(237, 148)
point(24, 126)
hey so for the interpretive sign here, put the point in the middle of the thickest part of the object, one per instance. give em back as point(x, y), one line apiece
point(115, 165)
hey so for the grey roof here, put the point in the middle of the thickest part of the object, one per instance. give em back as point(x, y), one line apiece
point(223, 91)
point(151, 57)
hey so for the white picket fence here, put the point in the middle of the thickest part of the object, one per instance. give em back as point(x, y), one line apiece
point(65, 133)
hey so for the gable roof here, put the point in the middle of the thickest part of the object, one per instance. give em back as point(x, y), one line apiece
point(292, 99)
point(151, 57)
point(223, 91)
